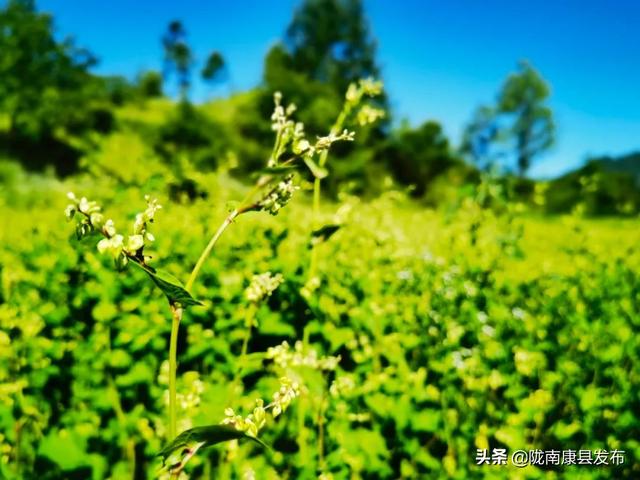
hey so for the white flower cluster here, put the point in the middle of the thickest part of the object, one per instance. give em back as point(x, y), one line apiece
point(341, 386)
point(90, 217)
point(278, 196)
point(324, 143)
point(146, 217)
point(284, 357)
point(355, 95)
point(283, 397)
point(252, 424)
point(262, 286)
point(290, 133)
point(287, 131)
point(361, 349)
point(365, 87)
point(113, 243)
point(368, 115)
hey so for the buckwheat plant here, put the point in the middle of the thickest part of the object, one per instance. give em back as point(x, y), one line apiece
point(273, 190)
point(365, 114)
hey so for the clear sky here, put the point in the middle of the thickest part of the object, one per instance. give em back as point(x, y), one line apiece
point(440, 59)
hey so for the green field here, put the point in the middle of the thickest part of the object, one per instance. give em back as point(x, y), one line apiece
point(456, 330)
point(251, 244)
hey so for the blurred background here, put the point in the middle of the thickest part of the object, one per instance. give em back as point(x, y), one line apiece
point(534, 91)
point(478, 261)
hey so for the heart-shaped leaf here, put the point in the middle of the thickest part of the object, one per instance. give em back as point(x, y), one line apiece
point(170, 286)
point(323, 233)
point(184, 446)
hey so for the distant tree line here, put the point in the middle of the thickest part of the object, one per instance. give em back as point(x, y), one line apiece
point(50, 103)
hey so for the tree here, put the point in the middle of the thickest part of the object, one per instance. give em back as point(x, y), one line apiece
point(178, 57)
point(150, 84)
point(530, 129)
point(330, 41)
point(417, 156)
point(327, 46)
point(41, 80)
point(214, 68)
point(47, 95)
point(480, 136)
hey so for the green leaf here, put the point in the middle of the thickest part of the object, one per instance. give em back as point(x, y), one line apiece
point(170, 286)
point(426, 421)
point(324, 233)
point(185, 444)
point(65, 449)
point(316, 170)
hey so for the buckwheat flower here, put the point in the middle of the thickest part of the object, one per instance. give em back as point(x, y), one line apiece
point(283, 397)
point(278, 197)
point(83, 205)
point(109, 228)
point(134, 243)
point(279, 354)
point(353, 93)
point(341, 386)
point(87, 207)
point(113, 245)
point(371, 87)
point(328, 363)
point(70, 212)
point(298, 131)
point(250, 425)
point(368, 115)
point(301, 146)
point(324, 143)
point(279, 116)
point(259, 414)
point(142, 219)
point(96, 220)
point(262, 286)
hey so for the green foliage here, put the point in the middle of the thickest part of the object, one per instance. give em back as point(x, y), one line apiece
point(532, 129)
point(330, 41)
point(418, 156)
point(196, 438)
point(214, 67)
point(479, 138)
point(178, 58)
point(170, 286)
point(520, 123)
point(32, 62)
point(47, 96)
point(150, 84)
point(408, 337)
point(449, 339)
point(188, 132)
point(598, 188)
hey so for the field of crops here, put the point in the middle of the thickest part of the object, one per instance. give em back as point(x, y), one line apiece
point(431, 334)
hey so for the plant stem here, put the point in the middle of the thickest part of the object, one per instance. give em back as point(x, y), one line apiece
point(314, 220)
point(337, 126)
point(320, 421)
point(176, 314)
point(249, 321)
point(205, 253)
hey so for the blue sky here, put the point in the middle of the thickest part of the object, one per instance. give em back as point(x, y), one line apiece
point(440, 59)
